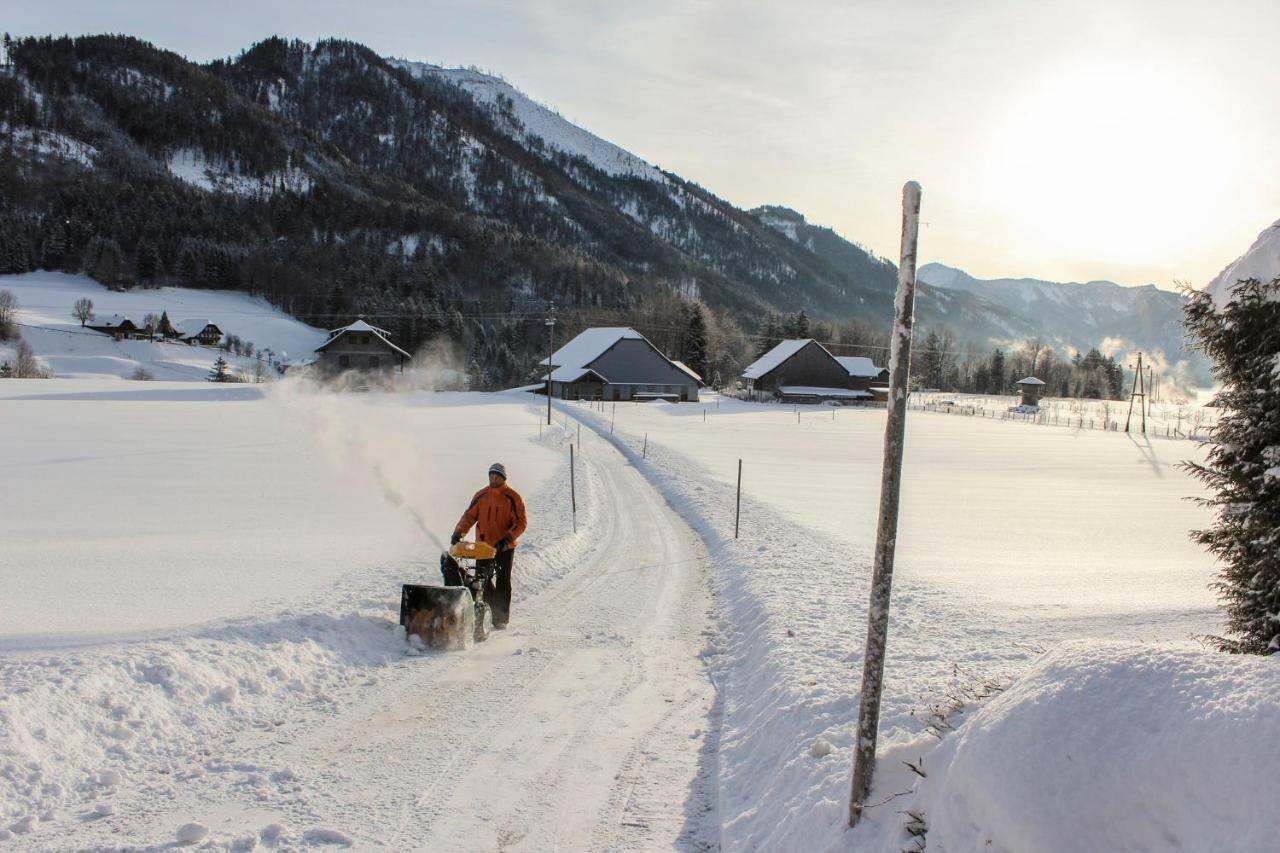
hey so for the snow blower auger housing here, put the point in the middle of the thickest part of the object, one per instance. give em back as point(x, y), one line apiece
point(455, 615)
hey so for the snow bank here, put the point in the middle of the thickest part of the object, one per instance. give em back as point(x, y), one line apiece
point(1113, 747)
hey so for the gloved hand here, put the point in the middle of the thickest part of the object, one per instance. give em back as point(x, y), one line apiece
point(504, 544)
point(455, 538)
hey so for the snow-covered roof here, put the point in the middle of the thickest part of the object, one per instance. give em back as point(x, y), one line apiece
point(362, 326)
point(191, 328)
point(859, 366)
point(686, 368)
point(588, 346)
point(774, 357)
point(115, 321)
point(359, 326)
point(574, 374)
point(1030, 380)
point(814, 391)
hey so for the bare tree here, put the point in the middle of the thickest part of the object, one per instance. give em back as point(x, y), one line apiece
point(26, 366)
point(83, 310)
point(8, 309)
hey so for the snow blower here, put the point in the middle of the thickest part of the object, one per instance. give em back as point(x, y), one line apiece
point(455, 615)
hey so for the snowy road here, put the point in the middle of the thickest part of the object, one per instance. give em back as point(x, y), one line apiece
point(589, 725)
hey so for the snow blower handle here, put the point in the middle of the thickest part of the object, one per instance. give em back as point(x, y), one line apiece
point(472, 551)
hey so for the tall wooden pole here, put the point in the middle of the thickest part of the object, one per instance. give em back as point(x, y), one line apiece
point(551, 349)
point(864, 754)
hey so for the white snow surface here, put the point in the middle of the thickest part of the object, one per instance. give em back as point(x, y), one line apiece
point(257, 685)
point(540, 121)
point(858, 365)
point(44, 308)
point(1111, 746)
point(1262, 262)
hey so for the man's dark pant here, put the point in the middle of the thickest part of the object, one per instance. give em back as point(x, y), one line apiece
point(498, 597)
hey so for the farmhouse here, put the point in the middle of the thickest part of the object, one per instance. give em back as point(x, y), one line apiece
point(360, 346)
point(804, 371)
point(618, 364)
point(198, 332)
point(120, 328)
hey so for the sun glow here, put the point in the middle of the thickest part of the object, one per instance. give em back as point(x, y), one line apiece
point(1113, 162)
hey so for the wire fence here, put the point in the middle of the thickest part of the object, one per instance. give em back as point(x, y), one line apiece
point(1082, 420)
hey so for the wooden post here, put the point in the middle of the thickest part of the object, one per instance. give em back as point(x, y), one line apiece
point(551, 349)
point(644, 454)
point(737, 507)
point(613, 415)
point(864, 761)
point(573, 491)
point(579, 433)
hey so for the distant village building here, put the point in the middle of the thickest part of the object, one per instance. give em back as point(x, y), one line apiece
point(804, 371)
point(198, 332)
point(360, 346)
point(618, 364)
point(1030, 390)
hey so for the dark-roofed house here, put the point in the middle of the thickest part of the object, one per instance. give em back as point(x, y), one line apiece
point(805, 371)
point(119, 327)
point(198, 332)
point(360, 346)
point(618, 364)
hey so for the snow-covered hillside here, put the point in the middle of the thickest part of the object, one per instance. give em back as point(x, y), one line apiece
point(1262, 262)
point(536, 120)
point(45, 302)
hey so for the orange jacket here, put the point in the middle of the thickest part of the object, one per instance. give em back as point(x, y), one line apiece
point(495, 513)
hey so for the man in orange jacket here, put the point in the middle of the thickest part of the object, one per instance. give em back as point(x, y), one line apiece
point(497, 512)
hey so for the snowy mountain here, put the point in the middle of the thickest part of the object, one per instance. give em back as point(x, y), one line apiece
point(536, 125)
point(1095, 314)
point(1262, 262)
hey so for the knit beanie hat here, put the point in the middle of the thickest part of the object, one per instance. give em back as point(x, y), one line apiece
point(497, 468)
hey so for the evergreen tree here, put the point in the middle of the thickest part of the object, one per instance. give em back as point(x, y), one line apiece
point(219, 372)
point(931, 361)
point(694, 351)
point(6, 371)
point(771, 336)
point(1243, 467)
point(997, 373)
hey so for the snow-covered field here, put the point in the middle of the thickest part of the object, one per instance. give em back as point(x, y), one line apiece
point(198, 639)
point(45, 301)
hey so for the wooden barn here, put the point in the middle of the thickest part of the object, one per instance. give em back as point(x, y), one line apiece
point(120, 328)
point(617, 363)
point(804, 371)
point(360, 346)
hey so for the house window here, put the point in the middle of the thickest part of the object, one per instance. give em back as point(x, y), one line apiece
point(344, 361)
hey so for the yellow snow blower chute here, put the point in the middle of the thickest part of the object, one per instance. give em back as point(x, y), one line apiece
point(455, 615)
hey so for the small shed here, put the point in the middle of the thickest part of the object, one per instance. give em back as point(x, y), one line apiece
point(198, 331)
point(360, 346)
point(1030, 390)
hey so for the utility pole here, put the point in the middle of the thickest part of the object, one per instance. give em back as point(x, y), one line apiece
point(1139, 392)
point(864, 752)
point(551, 349)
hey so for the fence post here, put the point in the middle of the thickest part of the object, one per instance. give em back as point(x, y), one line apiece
point(737, 506)
point(644, 454)
point(573, 491)
point(864, 762)
point(613, 416)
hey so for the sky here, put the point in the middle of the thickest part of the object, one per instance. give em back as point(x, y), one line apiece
point(1130, 140)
